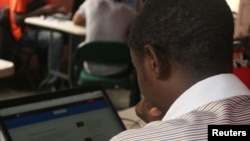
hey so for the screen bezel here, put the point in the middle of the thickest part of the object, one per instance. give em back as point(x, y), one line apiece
point(54, 95)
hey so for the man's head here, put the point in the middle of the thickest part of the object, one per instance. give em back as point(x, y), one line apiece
point(179, 42)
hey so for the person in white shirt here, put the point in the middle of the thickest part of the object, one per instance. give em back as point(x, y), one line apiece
point(105, 20)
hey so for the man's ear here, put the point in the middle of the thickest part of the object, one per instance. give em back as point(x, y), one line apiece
point(154, 61)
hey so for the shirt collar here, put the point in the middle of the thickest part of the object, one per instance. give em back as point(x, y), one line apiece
point(210, 89)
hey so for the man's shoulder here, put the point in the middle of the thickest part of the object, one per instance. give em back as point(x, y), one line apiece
point(240, 101)
point(224, 111)
point(177, 129)
point(182, 128)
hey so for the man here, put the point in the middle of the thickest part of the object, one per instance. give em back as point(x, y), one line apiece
point(19, 10)
point(182, 52)
point(105, 20)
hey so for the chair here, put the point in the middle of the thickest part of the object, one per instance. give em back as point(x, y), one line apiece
point(109, 53)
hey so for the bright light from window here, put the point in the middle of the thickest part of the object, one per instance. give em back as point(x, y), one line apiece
point(234, 5)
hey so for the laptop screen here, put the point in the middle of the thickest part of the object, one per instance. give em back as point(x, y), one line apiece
point(84, 114)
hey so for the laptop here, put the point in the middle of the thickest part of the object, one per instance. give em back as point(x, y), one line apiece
point(78, 114)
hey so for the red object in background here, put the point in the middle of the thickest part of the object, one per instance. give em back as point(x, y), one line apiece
point(243, 74)
point(4, 3)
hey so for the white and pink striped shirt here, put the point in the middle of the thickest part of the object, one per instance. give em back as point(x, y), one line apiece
point(221, 99)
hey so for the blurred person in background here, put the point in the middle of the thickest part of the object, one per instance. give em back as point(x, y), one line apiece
point(21, 9)
point(75, 5)
point(105, 20)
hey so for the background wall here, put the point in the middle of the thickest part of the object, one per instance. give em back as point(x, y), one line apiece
point(243, 19)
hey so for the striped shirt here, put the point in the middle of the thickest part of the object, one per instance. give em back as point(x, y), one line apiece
point(191, 123)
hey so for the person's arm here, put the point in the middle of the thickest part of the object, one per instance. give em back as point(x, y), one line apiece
point(45, 10)
point(147, 112)
point(78, 19)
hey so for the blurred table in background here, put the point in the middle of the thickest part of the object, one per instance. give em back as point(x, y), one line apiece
point(62, 25)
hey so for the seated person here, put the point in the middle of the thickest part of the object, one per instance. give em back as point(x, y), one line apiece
point(75, 5)
point(19, 10)
point(105, 20)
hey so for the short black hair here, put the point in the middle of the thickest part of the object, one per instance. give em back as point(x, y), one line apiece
point(198, 34)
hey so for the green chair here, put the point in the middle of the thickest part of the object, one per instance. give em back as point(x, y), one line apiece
point(108, 53)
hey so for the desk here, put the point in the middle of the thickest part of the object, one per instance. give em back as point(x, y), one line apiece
point(6, 68)
point(66, 26)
